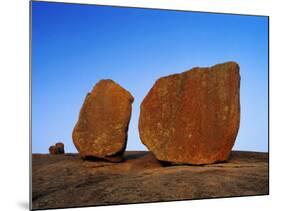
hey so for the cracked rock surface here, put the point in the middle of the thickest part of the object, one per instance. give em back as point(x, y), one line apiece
point(192, 117)
point(67, 181)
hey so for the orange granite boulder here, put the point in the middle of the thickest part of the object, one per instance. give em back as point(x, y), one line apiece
point(193, 117)
point(101, 130)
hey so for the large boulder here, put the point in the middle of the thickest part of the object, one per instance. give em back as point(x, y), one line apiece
point(193, 117)
point(101, 130)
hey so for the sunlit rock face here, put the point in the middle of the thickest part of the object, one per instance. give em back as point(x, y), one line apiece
point(101, 130)
point(193, 117)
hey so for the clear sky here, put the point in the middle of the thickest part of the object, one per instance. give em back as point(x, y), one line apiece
point(74, 46)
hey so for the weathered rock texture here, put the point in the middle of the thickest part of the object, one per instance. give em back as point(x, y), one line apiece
point(101, 131)
point(68, 181)
point(192, 117)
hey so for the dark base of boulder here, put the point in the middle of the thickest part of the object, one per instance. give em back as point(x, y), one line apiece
point(68, 181)
point(113, 159)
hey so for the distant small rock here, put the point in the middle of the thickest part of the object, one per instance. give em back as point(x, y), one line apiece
point(193, 117)
point(53, 150)
point(101, 130)
point(56, 149)
point(65, 181)
point(60, 148)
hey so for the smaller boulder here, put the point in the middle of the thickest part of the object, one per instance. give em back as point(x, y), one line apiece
point(102, 126)
point(56, 149)
point(60, 148)
point(53, 150)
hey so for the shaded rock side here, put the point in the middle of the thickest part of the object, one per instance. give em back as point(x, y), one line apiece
point(193, 117)
point(101, 131)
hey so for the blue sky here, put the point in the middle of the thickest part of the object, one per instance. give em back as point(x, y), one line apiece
point(74, 46)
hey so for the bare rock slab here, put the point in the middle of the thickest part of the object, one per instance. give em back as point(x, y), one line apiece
point(67, 181)
point(193, 117)
point(101, 131)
